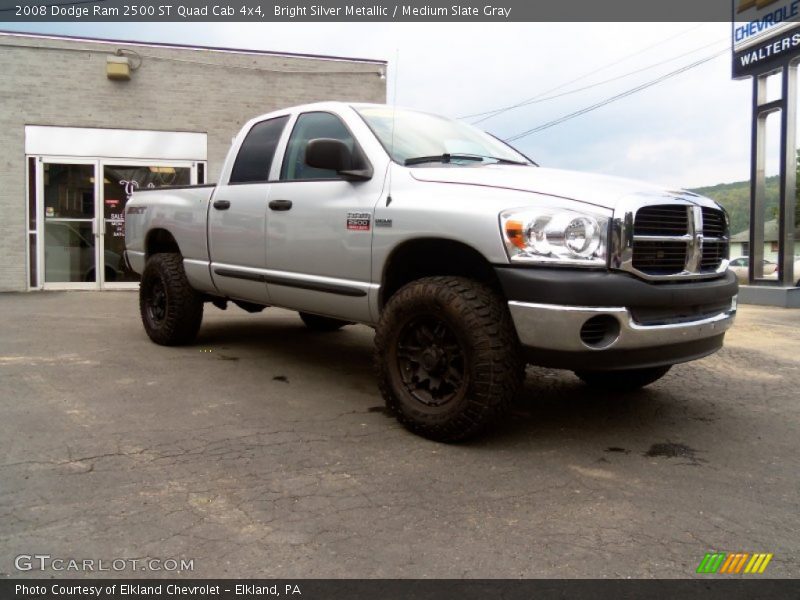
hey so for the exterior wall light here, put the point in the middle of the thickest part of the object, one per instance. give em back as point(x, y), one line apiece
point(118, 68)
point(119, 65)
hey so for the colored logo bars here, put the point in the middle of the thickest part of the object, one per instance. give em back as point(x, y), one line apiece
point(734, 563)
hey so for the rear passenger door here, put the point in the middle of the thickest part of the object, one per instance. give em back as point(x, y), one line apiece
point(237, 218)
point(319, 228)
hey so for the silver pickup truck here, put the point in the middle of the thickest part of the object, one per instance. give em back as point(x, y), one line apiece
point(467, 258)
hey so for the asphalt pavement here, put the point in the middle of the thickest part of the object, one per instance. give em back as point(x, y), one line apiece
point(263, 450)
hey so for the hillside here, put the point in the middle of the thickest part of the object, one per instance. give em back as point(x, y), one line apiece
point(735, 197)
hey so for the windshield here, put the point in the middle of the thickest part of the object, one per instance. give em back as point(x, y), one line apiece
point(422, 137)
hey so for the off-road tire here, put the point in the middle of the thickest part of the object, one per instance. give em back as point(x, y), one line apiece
point(322, 324)
point(170, 308)
point(627, 380)
point(481, 333)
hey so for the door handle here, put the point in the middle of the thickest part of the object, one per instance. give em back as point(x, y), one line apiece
point(222, 204)
point(280, 204)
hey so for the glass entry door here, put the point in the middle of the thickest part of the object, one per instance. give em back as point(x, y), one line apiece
point(82, 216)
point(68, 194)
point(120, 180)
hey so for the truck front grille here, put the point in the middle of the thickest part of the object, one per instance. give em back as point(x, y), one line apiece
point(670, 241)
point(659, 258)
point(662, 219)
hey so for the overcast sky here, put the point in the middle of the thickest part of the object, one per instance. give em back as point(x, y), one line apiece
point(688, 131)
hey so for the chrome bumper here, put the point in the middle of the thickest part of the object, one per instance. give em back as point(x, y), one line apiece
point(558, 328)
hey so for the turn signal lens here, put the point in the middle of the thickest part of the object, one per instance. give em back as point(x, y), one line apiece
point(514, 233)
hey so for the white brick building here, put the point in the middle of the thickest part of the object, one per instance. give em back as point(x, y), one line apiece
point(73, 141)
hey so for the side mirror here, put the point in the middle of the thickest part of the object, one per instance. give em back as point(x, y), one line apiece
point(334, 155)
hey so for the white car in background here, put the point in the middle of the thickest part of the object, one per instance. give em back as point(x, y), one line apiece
point(741, 267)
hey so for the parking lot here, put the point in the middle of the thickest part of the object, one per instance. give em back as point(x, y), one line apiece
point(263, 450)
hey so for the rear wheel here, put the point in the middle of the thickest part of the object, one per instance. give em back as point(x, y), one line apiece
point(318, 323)
point(171, 309)
point(447, 357)
point(626, 380)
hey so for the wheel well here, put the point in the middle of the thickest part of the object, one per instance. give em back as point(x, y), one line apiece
point(432, 256)
point(160, 241)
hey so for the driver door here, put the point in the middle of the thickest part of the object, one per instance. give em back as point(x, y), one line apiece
point(319, 228)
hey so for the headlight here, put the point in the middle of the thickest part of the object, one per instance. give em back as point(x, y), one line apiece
point(553, 235)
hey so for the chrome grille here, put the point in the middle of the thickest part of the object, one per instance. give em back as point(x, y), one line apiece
point(715, 243)
point(659, 258)
point(672, 240)
point(713, 222)
point(662, 219)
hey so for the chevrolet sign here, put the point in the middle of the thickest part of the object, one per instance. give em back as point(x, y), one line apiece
point(765, 33)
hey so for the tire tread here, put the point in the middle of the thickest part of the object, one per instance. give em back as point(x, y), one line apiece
point(184, 304)
point(497, 370)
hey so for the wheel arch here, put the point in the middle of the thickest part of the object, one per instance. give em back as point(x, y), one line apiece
point(160, 240)
point(430, 256)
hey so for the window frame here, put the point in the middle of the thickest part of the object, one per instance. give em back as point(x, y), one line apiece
point(356, 146)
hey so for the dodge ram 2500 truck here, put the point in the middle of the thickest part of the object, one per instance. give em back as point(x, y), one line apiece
point(467, 258)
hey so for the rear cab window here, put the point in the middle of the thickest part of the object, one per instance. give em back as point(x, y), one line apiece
point(254, 160)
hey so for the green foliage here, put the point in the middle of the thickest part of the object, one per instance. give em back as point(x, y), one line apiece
point(735, 198)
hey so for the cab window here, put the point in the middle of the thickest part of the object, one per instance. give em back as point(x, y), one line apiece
point(310, 126)
point(258, 149)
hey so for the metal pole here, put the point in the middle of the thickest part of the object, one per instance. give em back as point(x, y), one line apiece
point(786, 211)
point(757, 160)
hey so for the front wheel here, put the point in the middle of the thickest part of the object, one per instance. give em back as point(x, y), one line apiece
point(447, 357)
point(171, 309)
point(627, 380)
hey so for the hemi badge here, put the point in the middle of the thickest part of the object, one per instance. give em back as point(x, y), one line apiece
point(383, 222)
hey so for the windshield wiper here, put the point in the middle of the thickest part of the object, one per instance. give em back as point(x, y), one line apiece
point(507, 161)
point(446, 158)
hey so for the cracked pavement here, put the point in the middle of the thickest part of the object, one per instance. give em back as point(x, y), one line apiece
point(263, 451)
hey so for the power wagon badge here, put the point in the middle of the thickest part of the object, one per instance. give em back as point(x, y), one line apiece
point(358, 221)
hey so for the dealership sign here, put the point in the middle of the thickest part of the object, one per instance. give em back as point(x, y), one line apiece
point(766, 33)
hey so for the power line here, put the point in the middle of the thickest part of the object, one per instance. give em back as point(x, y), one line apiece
point(624, 75)
point(492, 113)
point(614, 98)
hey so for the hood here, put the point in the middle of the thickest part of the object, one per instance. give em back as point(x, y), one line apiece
point(600, 190)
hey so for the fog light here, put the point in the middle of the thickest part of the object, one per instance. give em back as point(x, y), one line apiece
point(600, 332)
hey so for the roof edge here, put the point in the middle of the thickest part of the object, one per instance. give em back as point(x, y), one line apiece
point(74, 38)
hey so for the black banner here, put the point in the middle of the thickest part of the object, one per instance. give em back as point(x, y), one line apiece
point(715, 588)
point(367, 11)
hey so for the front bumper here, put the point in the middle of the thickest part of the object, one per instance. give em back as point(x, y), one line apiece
point(608, 321)
point(551, 335)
